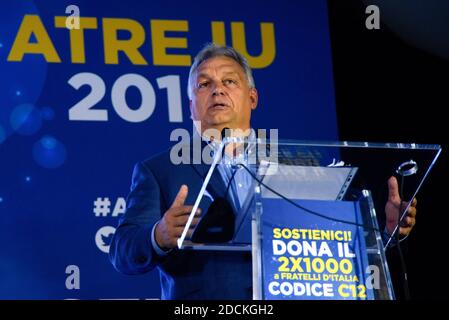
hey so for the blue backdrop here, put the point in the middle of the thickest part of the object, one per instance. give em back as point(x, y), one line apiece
point(79, 106)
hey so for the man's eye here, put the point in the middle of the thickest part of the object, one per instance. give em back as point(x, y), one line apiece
point(228, 81)
point(203, 84)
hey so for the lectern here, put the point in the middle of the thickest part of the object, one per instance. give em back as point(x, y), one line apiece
point(314, 216)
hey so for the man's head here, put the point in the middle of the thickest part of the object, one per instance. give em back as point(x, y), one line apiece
point(221, 89)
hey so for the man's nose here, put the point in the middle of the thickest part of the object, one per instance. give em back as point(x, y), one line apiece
point(218, 90)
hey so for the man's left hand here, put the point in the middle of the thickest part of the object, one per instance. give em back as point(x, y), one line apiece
point(396, 206)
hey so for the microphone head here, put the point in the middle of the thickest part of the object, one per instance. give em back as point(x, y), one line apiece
point(225, 133)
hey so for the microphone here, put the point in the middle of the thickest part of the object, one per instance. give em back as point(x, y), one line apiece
point(218, 223)
point(209, 226)
point(225, 133)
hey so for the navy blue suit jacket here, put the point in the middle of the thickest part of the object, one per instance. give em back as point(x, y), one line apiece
point(184, 274)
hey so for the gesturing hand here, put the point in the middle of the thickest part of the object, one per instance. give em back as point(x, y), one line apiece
point(395, 206)
point(170, 227)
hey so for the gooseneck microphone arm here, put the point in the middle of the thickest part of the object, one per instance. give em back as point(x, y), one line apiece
point(217, 157)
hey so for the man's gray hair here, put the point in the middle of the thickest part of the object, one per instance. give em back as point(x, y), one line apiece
point(213, 50)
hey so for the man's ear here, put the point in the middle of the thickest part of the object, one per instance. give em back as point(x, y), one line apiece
point(254, 97)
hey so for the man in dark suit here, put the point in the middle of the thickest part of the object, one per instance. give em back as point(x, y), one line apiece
point(222, 95)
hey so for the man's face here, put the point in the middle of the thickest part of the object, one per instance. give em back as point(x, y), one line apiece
point(221, 96)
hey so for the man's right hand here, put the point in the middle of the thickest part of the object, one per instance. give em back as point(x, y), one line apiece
point(170, 227)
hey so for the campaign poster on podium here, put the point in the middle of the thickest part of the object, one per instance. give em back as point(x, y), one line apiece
point(308, 257)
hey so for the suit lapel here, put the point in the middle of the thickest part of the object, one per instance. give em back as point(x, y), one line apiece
point(216, 185)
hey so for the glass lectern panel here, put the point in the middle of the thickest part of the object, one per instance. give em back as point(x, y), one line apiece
point(311, 213)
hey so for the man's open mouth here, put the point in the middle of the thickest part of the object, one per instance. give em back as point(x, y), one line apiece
point(218, 105)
